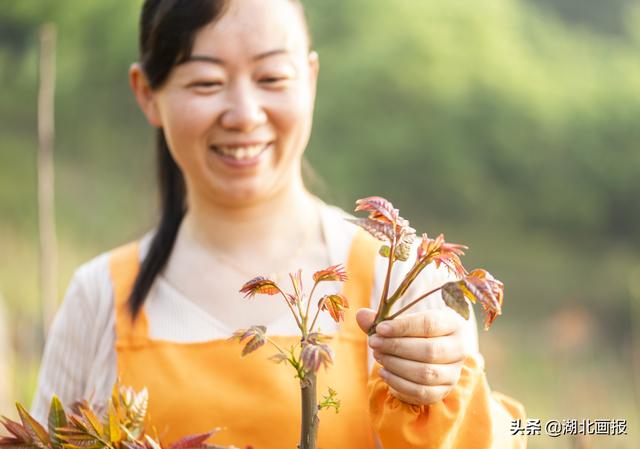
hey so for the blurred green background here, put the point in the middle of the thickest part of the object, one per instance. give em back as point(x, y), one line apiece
point(510, 125)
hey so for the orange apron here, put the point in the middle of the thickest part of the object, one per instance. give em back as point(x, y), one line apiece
point(195, 387)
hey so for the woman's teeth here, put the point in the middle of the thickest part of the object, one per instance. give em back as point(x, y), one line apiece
point(239, 153)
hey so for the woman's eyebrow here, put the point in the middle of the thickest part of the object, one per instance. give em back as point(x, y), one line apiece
point(219, 61)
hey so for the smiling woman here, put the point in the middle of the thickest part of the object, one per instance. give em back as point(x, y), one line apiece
point(230, 87)
point(236, 113)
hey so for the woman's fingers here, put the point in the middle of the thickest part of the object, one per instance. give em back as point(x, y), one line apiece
point(448, 349)
point(429, 323)
point(427, 374)
point(412, 392)
point(365, 318)
point(421, 354)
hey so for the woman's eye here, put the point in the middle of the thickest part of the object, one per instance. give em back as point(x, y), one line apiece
point(274, 80)
point(205, 85)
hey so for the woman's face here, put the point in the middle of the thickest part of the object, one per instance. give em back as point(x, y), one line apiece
point(237, 115)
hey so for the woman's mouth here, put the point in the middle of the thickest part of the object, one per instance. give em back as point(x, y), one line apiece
point(241, 155)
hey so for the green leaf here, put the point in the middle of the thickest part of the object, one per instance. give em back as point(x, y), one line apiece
point(76, 424)
point(76, 437)
point(37, 433)
point(279, 358)
point(133, 444)
point(57, 419)
point(384, 251)
point(153, 443)
point(330, 400)
point(93, 420)
point(130, 436)
point(138, 411)
point(402, 251)
point(112, 426)
point(453, 297)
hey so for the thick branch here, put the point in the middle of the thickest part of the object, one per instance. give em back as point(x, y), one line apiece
point(310, 420)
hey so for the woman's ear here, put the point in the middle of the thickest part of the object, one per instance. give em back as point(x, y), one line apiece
point(145, 96)
point(314, 67)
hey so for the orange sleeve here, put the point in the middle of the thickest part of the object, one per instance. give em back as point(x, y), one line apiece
point(469, 417)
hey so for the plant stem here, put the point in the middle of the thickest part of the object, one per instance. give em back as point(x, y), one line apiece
point(276, 345)
point(411, 276)
point(383, 312)
point(387, 279)
point(310, 420)
point(303, 319)
point(306, 315)
point(292, 311)
point(383, 306)
point(315, 318)
point(413, 303)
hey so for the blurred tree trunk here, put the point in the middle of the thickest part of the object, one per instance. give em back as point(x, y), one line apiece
point(46, 210)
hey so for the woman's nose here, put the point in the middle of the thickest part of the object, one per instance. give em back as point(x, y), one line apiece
point(245, 111)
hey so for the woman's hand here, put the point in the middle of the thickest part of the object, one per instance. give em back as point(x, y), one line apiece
point(421, 353)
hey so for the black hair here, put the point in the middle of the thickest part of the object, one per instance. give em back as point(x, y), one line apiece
point(167, 32)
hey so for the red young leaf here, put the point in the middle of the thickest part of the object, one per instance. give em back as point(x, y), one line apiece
point(379, 209)
point(10, 444)
point(317, 337)
point(335, 305)
point(481, 286)
point(82, 429)
point(404, 232)
point(15, 429)
point(296, 281)
point(255, 337)
point(382, 231)
point(193, 441)
point(259, 284)
point(438, 251)
point(316, 355)
point(291, 299)
point(453, 296)
point(38, 434)
point(332, 273)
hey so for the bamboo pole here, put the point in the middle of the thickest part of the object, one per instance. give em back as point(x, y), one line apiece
point(6, 363)
point(46, 211)
point(634, 298)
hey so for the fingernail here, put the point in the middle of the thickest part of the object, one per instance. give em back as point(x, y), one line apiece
point(383, 328)
point(383, 373)
point(377, 355)
point(375, 342)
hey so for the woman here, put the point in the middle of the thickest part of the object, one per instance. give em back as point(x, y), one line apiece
point(230, 86)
